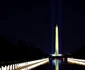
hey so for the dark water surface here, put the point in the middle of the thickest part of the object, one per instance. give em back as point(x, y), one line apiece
point(63, 66)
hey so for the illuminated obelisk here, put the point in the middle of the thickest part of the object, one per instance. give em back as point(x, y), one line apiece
point(56, 47)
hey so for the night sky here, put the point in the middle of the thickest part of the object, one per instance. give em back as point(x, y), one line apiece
point(73, 25)
point(31, 21)
point(27, 20)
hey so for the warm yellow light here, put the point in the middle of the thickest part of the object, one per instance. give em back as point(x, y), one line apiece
point(56, 41)
point(26, 65)
point(38, 64)
point(76, 61)
point(56, 47)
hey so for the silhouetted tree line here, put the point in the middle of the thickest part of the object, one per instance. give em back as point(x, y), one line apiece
point(80, 53)
point(20, 52)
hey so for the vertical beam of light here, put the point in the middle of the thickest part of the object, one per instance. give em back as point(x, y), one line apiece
point(52, 22)
point(56, 47)
point(56, 41)
point(60, 24)
point(53, 28)
point(59, 13)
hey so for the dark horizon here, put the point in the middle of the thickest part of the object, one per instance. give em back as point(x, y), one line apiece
point(19, 52)
point(31, 21)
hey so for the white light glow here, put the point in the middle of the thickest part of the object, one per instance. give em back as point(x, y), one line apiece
point(53, 54)
point(74, 61)
point(57, 55)
point(3, 68)
point(54, 62)
point(81, 60)
point(37, 64)
point(31, 62)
